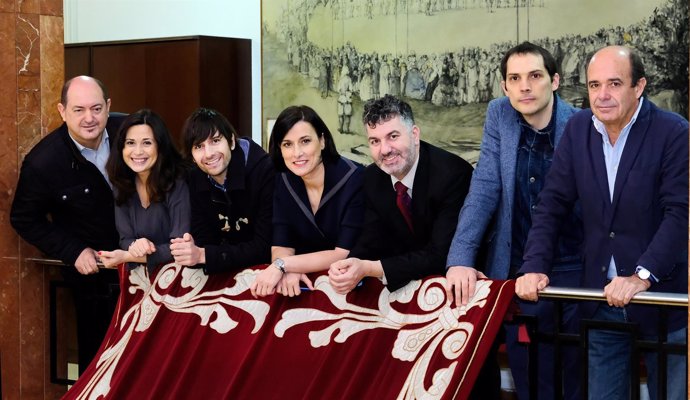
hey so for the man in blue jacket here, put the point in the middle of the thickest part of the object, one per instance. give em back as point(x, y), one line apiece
point(626, 162)
point(521, 132)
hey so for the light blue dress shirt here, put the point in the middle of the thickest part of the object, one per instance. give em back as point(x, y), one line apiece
point(98, 157)
point(612, 158)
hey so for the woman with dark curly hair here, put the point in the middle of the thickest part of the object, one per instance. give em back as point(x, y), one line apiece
point(151, 197)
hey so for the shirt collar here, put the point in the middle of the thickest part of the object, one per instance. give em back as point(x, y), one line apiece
point(105, 139)
point(408, 180)
point(549, 129)
point(601, 128)
point(217, 185)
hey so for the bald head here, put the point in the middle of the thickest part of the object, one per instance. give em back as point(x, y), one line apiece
point(615, 82)
point(613, 50)
point(82, 79)
point(622, 54)
point(84, 107)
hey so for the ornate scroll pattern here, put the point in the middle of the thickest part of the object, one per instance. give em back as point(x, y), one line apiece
point(438, 327)
point(421, 337)
point(208, 305)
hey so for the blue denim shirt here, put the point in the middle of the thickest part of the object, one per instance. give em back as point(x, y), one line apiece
point(535, 154)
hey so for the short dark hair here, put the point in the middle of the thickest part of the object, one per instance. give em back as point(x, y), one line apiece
point(203, 124)
point(636, 66)
point(167, 168)
point(530, 48)
point(65, 88)
point(286, 120)
point(378, 111)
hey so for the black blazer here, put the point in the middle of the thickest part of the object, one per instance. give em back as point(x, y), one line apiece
point(57, 181)
point(440, 185)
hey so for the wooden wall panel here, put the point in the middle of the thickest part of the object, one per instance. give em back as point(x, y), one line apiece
point(224, 69)
point(172, 76)
point(122, 69)
point(172, 81)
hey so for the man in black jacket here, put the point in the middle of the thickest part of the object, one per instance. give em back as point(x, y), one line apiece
point(64, 205)
point(231, 196)
point(413, 196)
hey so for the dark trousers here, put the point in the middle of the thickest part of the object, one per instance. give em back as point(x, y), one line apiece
point(95, 298)
point(568, 372)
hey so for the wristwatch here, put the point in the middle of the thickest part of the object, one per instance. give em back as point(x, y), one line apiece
point(642, 273)
point(280, 264)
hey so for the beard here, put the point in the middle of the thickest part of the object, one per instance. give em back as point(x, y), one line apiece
point(403, 166)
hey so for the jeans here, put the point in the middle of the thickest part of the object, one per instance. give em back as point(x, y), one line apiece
point(609, 361)
point(518, 353)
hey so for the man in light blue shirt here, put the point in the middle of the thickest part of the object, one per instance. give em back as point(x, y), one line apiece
point(98, 156)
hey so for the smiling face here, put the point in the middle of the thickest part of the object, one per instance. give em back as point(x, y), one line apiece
point(612, 95)
point(140, 150)
point(213, 156)
point(85, 112)
point(301, 149)
point(530, 88)
point(394, 146)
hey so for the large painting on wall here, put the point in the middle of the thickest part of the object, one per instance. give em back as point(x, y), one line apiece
point(443, 57)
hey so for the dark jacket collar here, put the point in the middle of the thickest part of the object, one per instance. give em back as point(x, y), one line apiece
point(336, 175)
point(112, 126)
point(235, 177)
point(236, 169)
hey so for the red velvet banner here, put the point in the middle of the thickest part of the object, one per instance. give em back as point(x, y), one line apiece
point(185, 335)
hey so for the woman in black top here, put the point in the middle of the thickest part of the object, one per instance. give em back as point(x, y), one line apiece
point(318, 207)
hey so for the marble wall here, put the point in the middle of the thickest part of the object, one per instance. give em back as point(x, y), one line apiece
point(31, 76)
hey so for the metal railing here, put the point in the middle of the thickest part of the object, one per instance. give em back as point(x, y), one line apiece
point(560, 339)
point(54, 286)
point(654, 298)
point(51, 261)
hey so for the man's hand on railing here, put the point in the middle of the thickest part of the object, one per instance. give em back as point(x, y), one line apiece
point(528, 286)
point(87, 262)
point(622, 289)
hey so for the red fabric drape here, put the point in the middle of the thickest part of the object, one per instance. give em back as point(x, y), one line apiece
point(184, 335)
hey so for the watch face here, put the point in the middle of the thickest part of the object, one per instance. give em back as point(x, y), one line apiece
point(643, 274)
point(280, 264)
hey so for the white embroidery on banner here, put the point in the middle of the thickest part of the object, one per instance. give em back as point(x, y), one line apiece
point(440, 326)
point(419, 338)
point(208, 305)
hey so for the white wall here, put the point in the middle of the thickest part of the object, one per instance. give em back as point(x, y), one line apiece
point(105, 20)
